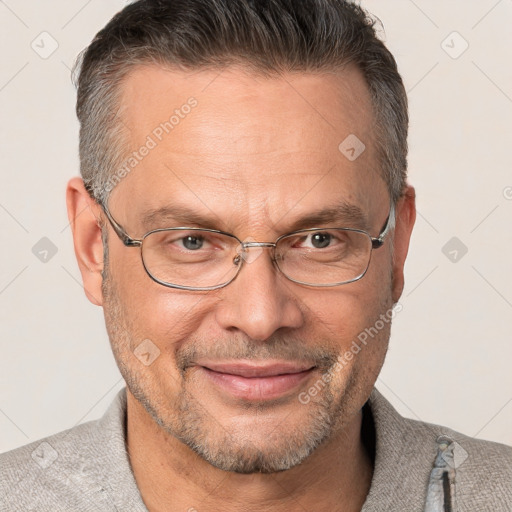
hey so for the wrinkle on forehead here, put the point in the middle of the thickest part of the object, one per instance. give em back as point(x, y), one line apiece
point(252, 149)
point(238, 106)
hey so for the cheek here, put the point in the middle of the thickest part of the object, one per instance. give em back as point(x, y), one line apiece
point(166, 316)
point(356, 319)
point(359, 326)
point(346, 311)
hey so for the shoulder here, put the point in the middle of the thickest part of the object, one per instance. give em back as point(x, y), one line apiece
point(34, 476)
point(482, 469)
point(409, 450)
point(85, 468)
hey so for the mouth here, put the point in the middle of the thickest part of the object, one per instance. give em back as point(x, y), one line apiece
point(256, 382)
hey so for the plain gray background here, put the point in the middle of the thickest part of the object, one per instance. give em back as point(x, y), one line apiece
point(451, 346)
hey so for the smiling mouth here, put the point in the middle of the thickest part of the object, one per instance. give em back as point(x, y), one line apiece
point(256, 382)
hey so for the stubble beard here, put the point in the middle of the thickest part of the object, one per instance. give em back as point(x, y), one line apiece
point(235, 450)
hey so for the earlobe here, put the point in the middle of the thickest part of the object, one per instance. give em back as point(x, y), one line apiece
point(83, 215)
point(405, 218)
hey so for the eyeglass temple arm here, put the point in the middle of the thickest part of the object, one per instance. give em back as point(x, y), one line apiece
point(390, 224)
point(120, 232)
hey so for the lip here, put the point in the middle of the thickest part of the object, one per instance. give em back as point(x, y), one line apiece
point(256, 381)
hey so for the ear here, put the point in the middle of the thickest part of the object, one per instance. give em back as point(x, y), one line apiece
point(405, 218)
point(84, 215)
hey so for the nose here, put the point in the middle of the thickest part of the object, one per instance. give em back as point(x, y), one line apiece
point(260, 300)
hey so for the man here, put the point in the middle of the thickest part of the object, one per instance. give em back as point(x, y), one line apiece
point(243, 217)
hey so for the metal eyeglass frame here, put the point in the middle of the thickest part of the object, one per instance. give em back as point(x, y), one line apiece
point(128, 241)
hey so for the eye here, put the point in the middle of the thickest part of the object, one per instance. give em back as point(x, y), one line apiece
point(318, 240)
point(192, 243)
point(183, 241)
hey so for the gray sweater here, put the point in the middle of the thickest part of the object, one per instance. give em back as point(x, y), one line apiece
point(419, 467)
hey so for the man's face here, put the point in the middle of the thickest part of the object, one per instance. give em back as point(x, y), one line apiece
point(253, 156)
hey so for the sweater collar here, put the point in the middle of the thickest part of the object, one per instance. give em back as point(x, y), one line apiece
point(400, 462)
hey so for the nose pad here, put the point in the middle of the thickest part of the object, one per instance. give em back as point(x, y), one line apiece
point(256, 249)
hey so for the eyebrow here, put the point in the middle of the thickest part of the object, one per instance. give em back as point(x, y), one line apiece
point(340, 215)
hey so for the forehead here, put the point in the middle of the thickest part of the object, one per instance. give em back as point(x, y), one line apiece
point(247, 146)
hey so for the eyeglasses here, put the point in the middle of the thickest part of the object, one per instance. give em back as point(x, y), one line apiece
point(190, 258)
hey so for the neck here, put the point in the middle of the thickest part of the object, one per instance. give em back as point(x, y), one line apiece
point(171, 477)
